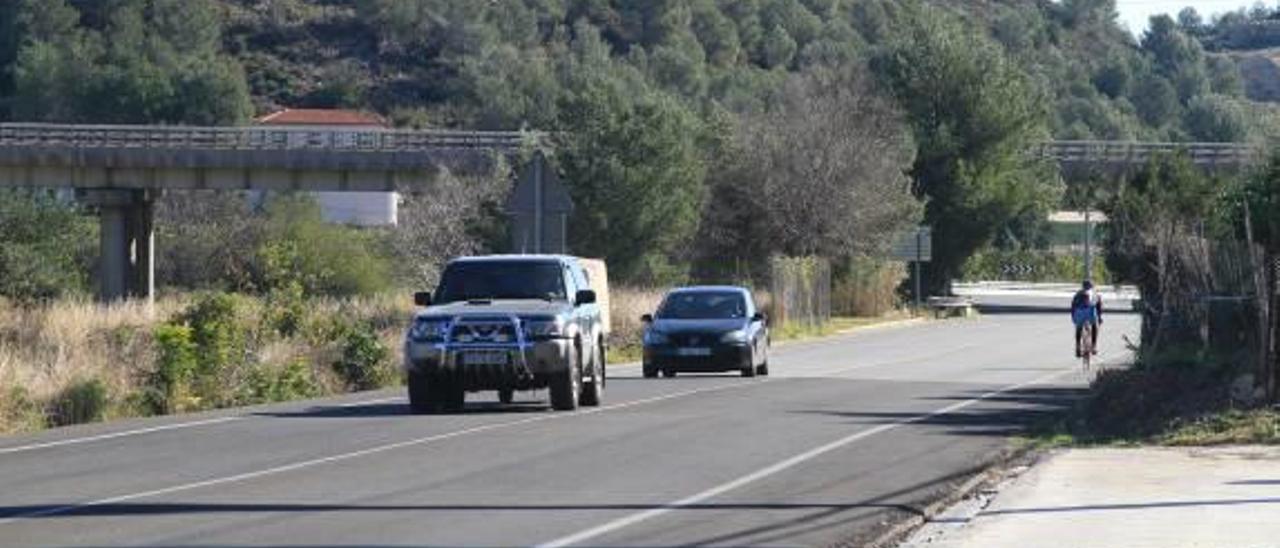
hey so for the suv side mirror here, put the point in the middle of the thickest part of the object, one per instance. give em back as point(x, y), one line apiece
point(586, 296)
point(759, 317)
point(647, 318)
point(422, 298)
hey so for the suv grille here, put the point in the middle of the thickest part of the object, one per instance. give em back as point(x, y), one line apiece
point(483, 331)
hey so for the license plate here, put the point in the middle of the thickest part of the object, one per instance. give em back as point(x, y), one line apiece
point(489, 357)
point(693, 351)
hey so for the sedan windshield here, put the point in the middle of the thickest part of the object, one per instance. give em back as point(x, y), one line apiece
point(487, 280)
point(703, 305)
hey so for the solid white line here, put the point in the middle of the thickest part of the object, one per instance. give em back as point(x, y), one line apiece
point(371, 402)
point(153, 429)
point(354, 454)
point(113, 435)
point(627, 521)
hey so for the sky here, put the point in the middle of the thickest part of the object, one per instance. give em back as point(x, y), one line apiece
point(1135, 13)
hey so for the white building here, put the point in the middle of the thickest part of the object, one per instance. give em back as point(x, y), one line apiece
point(356, 208)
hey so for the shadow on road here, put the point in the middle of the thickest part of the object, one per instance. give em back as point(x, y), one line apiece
point(1003, 415)
point(873, 512)
point(400, 409)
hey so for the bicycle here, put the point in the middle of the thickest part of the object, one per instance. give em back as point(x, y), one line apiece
point(1086, 345)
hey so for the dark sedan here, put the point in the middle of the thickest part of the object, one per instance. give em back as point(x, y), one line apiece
point(706, 330)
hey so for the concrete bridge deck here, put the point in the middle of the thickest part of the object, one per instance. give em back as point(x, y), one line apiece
point(164, 157)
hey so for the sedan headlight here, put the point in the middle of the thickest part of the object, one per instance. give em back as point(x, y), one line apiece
point(541, 328)
point(652, 337)
point(735, 336)
point(429, 330)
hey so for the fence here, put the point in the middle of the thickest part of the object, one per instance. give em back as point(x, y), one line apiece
point(800, 290)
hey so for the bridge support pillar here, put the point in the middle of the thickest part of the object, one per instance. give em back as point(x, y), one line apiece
point(126, 243)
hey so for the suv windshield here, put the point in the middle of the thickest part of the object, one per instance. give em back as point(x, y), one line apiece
point(468, 281)
point(703, 305)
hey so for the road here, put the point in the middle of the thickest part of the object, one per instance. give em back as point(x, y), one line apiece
point(850, 432)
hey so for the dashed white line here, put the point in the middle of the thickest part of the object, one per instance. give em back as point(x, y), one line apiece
point(114, 435)
point(361, 453)
point(163, 428)
point(627, 521)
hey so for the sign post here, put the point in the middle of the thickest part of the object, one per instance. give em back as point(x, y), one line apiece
point(915, 247)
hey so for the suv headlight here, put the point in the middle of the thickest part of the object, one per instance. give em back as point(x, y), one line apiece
point(543, 328)
point(735, 336)
point(429, 330)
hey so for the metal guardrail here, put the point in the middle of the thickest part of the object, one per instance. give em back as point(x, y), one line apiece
point(256, 138)
point(1133, 153)
point(262, 138)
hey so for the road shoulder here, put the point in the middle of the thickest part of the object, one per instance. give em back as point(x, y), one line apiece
point(1113, 497)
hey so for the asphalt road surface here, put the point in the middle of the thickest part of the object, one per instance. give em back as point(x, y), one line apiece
point(850, 433)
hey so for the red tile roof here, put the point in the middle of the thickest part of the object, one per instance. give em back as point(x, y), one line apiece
point(321, 117)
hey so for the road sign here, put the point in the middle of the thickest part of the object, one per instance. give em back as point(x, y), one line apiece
point(1017, 269)
point(914, 245)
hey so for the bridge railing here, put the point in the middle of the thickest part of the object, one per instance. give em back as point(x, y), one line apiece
point(255, 138)
point(1135, 153)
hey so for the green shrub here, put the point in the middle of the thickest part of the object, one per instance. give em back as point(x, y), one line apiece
point(80, 402)
point(323, 258)
point(19, 412)
point(1044, 266)
point(293, 381)
point(46, 246)
point(286, 309)
point(365, 360)
point(168, 390)
point(217, 332)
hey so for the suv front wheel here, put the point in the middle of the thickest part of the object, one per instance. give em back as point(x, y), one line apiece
point(567, 386)
point(593, 392)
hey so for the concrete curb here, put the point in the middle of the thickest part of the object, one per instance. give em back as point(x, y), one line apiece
point(990, 474)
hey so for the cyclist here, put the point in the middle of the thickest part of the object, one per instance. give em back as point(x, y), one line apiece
point(1086, 307)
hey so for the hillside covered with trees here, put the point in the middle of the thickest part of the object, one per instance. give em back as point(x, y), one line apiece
point(745, 127)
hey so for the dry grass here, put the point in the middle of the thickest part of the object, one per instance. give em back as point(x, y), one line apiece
point(626, 305)
point(46, 349)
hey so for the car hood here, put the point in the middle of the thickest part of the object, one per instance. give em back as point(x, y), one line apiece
point(497, 308)
point(675, 327)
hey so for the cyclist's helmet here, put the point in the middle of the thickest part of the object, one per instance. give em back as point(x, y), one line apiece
point(1088, 284)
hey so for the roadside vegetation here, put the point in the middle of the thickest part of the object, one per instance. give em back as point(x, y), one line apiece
point(1202, 252)
point(699, 140)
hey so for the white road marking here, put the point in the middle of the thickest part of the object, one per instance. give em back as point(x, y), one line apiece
point(113, 435)
point(627, 521)
point(164, 428)
point(361, 453)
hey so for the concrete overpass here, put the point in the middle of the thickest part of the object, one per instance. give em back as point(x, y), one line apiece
point(121, 169)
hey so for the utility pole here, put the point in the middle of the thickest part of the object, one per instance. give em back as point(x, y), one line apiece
point(919, 259)
point(1088, 245)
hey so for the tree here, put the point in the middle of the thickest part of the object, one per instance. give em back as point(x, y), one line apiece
point(822, 173)
point(127, 61)
point(778, 48)
point(1190, 21)
point(1155, 99)
point(973, 113)
point(633, 160)
point(446, 222)
point(46, 246)
point(1216, 119)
